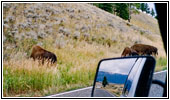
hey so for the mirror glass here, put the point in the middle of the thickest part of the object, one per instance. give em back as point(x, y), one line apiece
point(114, 77)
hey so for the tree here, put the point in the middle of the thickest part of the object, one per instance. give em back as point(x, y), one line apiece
point(145, 7)
point(152, 12)
point(105, 6)
point(104, 82)
point(122, 10)
point(142, 7)
point(132, 8)
point(137, 5)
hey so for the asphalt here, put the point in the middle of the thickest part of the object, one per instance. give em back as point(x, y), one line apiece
point(155, 90)
point(102, 93)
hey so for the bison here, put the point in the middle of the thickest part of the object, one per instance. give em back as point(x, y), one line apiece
point(128, 52)
point(143, 49)
point(42, 54)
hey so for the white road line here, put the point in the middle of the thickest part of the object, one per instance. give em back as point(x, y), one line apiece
point(160, 72)
point(88, 87)
point(70, 92)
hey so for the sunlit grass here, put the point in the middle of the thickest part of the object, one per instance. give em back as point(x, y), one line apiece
point(76, 67)
point(161, 64)
point(76, 61)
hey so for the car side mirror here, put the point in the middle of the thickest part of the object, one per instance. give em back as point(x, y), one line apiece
point(124, 77)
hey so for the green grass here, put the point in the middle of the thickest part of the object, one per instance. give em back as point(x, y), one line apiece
point(76, 61)
point(161, 64)
point(75, 69)
point(19, 81)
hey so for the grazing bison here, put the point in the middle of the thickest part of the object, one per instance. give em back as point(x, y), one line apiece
point(42, 54)
point(143, 49)
point(128, 52)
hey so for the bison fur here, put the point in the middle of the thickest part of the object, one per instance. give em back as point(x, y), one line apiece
point(143, 49)
point(42, 54)
point(128, 52)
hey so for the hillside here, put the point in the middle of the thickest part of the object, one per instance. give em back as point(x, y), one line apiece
point(146, 22)
point(79, 20)
point(79, 34)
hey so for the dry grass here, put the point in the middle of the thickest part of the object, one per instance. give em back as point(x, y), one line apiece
point(76, 61)
point(146, 22)
point(75, 68)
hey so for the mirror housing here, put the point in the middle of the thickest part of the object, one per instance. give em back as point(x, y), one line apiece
point(124, 76)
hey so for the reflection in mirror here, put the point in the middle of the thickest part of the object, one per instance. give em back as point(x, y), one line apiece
point(112, 76)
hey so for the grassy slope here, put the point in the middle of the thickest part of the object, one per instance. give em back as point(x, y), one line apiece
point(77, 59)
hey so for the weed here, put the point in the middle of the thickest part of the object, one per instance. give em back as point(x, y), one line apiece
point(161, 64)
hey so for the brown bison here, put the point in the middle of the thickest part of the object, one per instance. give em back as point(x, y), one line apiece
point(42, 54)
point(128, 52)
point(143, 49)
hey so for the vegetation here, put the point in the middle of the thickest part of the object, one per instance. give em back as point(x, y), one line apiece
point(161, 64)
point(104, 82)
point(152, 12)
point(123, 9)
point(145, 7)
point(77, 54)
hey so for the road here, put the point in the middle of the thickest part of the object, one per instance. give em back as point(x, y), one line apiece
point(155, 91)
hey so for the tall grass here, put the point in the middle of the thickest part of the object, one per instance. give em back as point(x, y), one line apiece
point(161, 64)
point(76, 60)
point(76, 67)
point(25, 75)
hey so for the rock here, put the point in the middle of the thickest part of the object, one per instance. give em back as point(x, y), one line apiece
point(76, 35)
point(137, 41)
point(111, 25)
point(42, 27)
point(135, 28)
point(56, 12)
point(60, 43)
point(64, 31)
point(22, 25)
point(77, 27)
point(11, 18)
point(94, 38)
point(14, 32)
point(100, 25)
point(72, 16)
point(4, 38)
point(6, 26)
point(6, 5)
point(61, 29)
point(86, 35)
point(103, 36)
point(41, 34)
point(67, 32)
point(70, 10)
point(6, 21)
point(30, 35)
point(114, 39)
point(122, 28)
point(31, 10)
point(84, 29)
point(85, 16)
point(49, 31)
point(17, 37)
point(40, 44)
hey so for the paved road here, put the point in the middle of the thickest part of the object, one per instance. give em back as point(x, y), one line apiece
point(102, 93)
point(155, 91)
point(84, 92)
